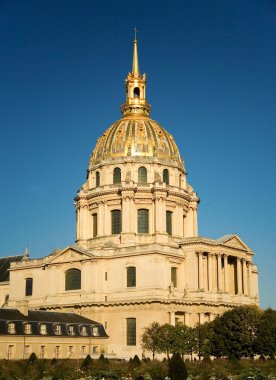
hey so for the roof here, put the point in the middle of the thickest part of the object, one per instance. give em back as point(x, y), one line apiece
point(37, 317)
point(5, 263)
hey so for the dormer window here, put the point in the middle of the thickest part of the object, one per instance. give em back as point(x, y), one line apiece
point(43, 329)
point(11, 328)
point(57, 329)
point(83, 330)
point(27, 328)
point(70, 330)
point(95, 331)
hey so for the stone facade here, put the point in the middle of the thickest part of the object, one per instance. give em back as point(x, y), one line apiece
point(137, 247)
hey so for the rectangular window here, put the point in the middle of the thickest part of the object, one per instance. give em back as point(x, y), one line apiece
point(43, 329)
point(83, 349)
point(95, 225)
point(11, 328)
point(95, 349)
point(105, 276)
point(29, 287)
point(116, 222)
point(174, 276)
point(10, 351)
point(143, 221)
point(131, 331)
point(131, 277)
point(70, 351)
point(27, 328)
point(169, 222)
point(57, 329)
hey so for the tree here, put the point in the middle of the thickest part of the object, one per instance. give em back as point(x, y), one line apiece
point(265, 343)
point(202, 337)
point(150, 338)
point(87, 363)
point(166, 337)
point(177, 369)
point(183, 336)
point(234, 333)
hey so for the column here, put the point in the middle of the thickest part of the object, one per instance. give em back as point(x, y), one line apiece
point(239, 276)
point(158, 213)
point(125, 214)
point(244, 277)
point(250, 289)
point(187, 319)
point(226, 274)
point(101, 219)
point(200, 272)
point(210, 271)
point(172, 318)
point(219, 272)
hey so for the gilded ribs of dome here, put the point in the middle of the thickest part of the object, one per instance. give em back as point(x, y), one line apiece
point(135, 137)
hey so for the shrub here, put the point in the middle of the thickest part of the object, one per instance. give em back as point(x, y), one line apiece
point(88, 362)
point(136, 362)
point(177, 369)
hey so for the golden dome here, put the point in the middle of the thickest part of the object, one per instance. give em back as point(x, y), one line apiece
point(135, 137)
point(135, 134)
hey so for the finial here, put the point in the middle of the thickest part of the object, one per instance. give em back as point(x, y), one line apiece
point(135, 66)
point(135, 33)
point(27, 253)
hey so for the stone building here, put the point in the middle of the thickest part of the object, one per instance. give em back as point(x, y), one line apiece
point(138, 257)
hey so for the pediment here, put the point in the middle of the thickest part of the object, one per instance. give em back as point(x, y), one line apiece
point(69, 254)
point(233, 241)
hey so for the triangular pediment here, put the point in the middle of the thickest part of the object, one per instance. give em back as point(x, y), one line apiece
point(69, 254)
point(233, 241)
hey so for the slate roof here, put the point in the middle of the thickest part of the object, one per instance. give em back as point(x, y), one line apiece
point(36, 317)
point(5, 263)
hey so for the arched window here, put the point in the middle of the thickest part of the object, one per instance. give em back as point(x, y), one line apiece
point(169, 222)
point(117, 175)
point(116, 222)
point(29, 287)
point(73, 279)
point(98, 179)
point(136, 92)
point(142, 175)
point(143, 221)
point(131, 277)
point(166, 176)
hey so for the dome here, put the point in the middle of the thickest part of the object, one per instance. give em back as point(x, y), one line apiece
point(135, 134)
point(135, 137)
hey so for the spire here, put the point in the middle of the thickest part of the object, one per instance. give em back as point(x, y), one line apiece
point(135, 66)
point(136, 102)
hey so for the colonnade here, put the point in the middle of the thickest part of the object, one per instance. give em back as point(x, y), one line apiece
point(224, 273)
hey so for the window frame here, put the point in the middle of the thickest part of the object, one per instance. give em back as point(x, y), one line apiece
point(166, 176)
point(174, 276)
point(142, 174)
point(117, 176)
point(116, 226)
point(131, 276)
point(95, 225)
point(169, 222)
point(142, 226)
point(77, 280)
point(98, 179)
point(29, 286)
point(131, 332)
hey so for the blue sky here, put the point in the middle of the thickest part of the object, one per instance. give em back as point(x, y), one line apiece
point(211, 82)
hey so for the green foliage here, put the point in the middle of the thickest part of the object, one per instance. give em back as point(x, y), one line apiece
point(87, 363)
point(233, 334)
point(177, 369)
point(32, 358)
point(202, 338)
point(265, 343)
point(150, 338)
point(136, 362)
point(166, 337)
